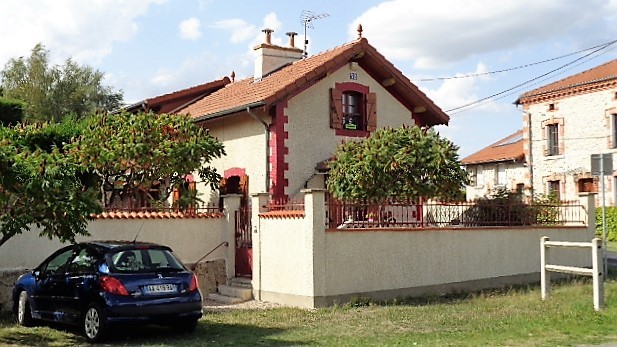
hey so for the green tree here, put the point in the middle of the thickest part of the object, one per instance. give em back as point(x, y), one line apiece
point(406, 162)
point(11, 111)
point(146, 151)
point(40, 185)
point(52, 92)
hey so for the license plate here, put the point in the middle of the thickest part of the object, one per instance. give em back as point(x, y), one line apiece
point(160, 288)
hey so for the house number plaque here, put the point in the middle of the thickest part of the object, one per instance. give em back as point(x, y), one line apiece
point(353, 76)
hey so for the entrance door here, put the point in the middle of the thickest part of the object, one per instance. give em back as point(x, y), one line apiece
point(244, 241)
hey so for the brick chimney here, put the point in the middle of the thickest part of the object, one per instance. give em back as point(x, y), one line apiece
point(270, 57)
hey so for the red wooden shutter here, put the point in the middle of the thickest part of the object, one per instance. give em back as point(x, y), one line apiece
point(371, 112)
point(336, 108)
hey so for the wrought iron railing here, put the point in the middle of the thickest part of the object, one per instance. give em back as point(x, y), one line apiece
point(391, 214)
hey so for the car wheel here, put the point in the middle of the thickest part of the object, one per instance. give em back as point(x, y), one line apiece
point(94, 323)
point(184, 326)
point(24, 313)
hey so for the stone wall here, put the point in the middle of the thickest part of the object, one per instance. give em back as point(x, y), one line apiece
point(7, 279)
point(210, 274)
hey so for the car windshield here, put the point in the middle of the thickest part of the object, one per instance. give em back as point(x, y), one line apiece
point(144, 260)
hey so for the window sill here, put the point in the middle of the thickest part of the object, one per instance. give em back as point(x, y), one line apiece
point(553, 157)
point(352, 133)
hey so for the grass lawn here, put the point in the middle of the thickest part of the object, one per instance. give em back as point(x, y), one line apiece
point(516, 317)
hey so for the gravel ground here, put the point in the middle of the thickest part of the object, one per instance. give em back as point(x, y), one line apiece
point(216, 306)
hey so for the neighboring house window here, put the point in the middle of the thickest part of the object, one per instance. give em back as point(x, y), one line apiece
point(614, 130)
point(501, 175)
point(553, 189)
point(353, 109)
point(552, 135)
point(480, 176)
point(587, 185)
point(473, 173)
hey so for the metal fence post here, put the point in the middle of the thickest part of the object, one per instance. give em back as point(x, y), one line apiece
point(545, 277)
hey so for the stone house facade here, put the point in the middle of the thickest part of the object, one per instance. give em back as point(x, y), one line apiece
point(564, 123)
point(500, 165)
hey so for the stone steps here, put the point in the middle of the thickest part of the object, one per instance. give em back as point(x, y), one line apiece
point(238, 290)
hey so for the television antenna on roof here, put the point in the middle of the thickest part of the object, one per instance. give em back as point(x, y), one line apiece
point(307, 18)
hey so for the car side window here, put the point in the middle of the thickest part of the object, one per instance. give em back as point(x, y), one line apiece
point(59, 263)
point(84, 262)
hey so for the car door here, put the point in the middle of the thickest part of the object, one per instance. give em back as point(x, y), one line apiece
point(50, 277)
point(81, 283)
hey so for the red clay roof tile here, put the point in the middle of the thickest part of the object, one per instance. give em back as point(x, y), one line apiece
point(154, 215)
point(598, 74)
point(283, 214)
point(171, 102)
point(507, 149)
point(292, 78)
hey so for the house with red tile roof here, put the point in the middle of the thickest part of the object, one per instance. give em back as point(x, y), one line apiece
point(500, 165)
point(280, 123)
point(172, 102)
point(564, 123)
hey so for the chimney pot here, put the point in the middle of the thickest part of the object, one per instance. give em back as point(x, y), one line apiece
point(268, 33)
point(291, 35)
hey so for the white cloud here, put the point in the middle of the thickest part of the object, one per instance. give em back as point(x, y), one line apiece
point(190, 29)
point(241, 31)
point(433, 33)
point(457, 92)
point(68, 28)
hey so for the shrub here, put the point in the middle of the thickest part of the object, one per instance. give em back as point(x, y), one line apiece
point(499, 208)
point(11, 111)
point(504, 208)
point(611, 223)
point(546, 209)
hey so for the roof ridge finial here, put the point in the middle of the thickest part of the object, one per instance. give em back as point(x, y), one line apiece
point(359, 31)
point(233, 76)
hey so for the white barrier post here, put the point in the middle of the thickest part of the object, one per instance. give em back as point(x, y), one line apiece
point(598, 274)
point(545, 277)
point(596, 270)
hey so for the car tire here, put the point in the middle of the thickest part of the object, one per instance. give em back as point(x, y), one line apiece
point(94, 323)
point(23, 313)
point(184, 325)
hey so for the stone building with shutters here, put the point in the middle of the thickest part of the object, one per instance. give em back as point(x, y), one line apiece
point(280, 125)
point(564, 123)
point(498, 166)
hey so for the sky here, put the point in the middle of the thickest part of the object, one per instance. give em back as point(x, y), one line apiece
point(152, 47)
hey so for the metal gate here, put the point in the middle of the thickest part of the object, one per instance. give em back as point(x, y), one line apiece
point(244, 243)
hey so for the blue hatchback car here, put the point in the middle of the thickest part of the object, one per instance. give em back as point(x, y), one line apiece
point(102, 283)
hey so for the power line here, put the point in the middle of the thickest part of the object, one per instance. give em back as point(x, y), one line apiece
point(513, 68)
point(533, 79)
point(530, 84)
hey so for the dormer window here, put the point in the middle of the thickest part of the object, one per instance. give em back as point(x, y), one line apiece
point(353, 110)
